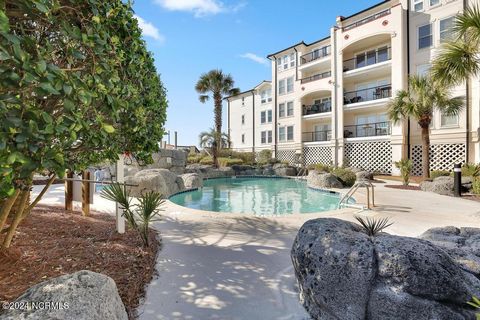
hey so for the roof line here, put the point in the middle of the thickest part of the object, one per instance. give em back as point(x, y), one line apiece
point(364, 10)
point(291, 47)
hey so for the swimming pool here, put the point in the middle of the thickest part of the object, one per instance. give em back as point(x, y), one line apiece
point(258, 196)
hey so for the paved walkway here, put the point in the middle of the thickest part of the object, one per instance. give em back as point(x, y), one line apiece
point(220, 266)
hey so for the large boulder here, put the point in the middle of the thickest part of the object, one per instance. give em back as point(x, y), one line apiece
point(208, 171)
point(284, 170)
point(441, 185)
point(245, 170)
point(364, 175)
point(345, 274)
point(83, 295)
point(316, 179)
point(192, 181)
point(162, 181)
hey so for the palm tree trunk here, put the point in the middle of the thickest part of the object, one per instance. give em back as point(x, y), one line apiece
point(218, 127)
point(426, 152)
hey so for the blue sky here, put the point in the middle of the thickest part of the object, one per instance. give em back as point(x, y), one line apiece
point(189, 37)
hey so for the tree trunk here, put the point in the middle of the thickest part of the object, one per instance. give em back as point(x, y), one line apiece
point(425, 152)
point(218, 127)
point(7, 208)
point(24, 198)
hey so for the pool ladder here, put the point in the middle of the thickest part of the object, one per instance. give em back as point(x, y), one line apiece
point(344, 202)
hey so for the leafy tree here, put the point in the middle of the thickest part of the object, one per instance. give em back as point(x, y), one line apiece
point(460, 58)
point(208, 138)
point(422, 97)
point(218, 85)
point(77, 87)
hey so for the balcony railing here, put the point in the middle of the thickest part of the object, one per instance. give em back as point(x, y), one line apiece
point(316, 77)
point(317, 108)
point(316, 54)
point(367, 130)
point(368, 58)
point(317, 136)
point(368, 94)
point(367, 19)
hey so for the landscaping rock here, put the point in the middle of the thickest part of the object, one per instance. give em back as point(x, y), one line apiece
point(354, 170)
point(364, 175)
point(84, 295)
point(208, 171)
point(159, 180)
point(344, 274)
point(284, 170)
point(130, 171)
point(462, 244)
point(192, 181)
point(441, 185)
point(316, 179)
point(267, 170)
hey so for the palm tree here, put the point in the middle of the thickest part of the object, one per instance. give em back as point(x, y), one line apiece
point(458, 59)
point(422, 97)
point(218, 85)
point(207, 139)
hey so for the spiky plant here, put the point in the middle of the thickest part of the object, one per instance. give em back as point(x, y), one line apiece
point(405, 166)
point(148, 210)
point(117, 193)
point(372, 227)
point(476, 304)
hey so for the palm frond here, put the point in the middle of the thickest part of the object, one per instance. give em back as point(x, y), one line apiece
point(467, 24)
point(116, 193)
point(373, 227)
point(203, 98)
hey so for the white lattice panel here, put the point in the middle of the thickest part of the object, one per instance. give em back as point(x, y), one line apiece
point(442, 157)
point(314, 155)
point(372, 155)
point(287, 155)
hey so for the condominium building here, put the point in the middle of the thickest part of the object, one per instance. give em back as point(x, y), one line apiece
point(327, 102)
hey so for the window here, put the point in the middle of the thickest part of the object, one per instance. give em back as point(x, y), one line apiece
point(433, 3)
point(449, 121)
point(269, 136)
point(289, 84)
point(269, 116)
point(285, 62)
point(290, 109)
point(423, 69)
point(243, 119)
point(279, 64)
point(446, 29)
point(292, 60)
point(425, 38)
point(243, 138)
point(266, 96)
point(243, 101)
point(281, 110)
point(263, 137)
point(263, 117)
point(281, 86)
point(289, 133)
point(281, 134)
point(417, 5)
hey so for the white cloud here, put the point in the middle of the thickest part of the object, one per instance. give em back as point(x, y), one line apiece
point(149, 30)
point(254, 57)
point(200, 8)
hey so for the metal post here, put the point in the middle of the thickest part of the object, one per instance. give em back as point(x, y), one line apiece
point(176, 140)
point(457, 174)
point(120, 219)
point(168, 136)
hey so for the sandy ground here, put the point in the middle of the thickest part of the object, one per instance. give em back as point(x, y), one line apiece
point(222, 266)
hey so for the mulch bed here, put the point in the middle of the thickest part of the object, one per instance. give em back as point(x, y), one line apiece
point(402, 187)
point(52, 242)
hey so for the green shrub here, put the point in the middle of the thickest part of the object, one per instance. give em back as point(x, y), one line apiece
point(323, 167)
point(439, 173)
point(207, 160)
point(405, 166)
point(194, 158)
point(346, 176)
point(228, 162)
point(265, 157)
point(471, 170)
point(247, 157)
point(476, 185)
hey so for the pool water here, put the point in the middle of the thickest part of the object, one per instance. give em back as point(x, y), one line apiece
point(258, 196)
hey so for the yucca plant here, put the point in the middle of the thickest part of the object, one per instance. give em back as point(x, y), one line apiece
point(405, 166)
point(373, 227)
point(138, 216)
point(117, 193)
point(147, 211)
point(476, 304)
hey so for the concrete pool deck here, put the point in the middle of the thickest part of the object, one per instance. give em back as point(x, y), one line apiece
point(222, 266)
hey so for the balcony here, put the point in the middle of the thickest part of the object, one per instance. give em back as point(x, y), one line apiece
point(317, 108)
point(367, 130)
point(369, 94)
point(315, 55)
point(368, 58)
point(316, 77)
point(317, 136)
point(368, 19)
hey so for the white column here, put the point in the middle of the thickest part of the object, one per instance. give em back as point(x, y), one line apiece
point(120, 220)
